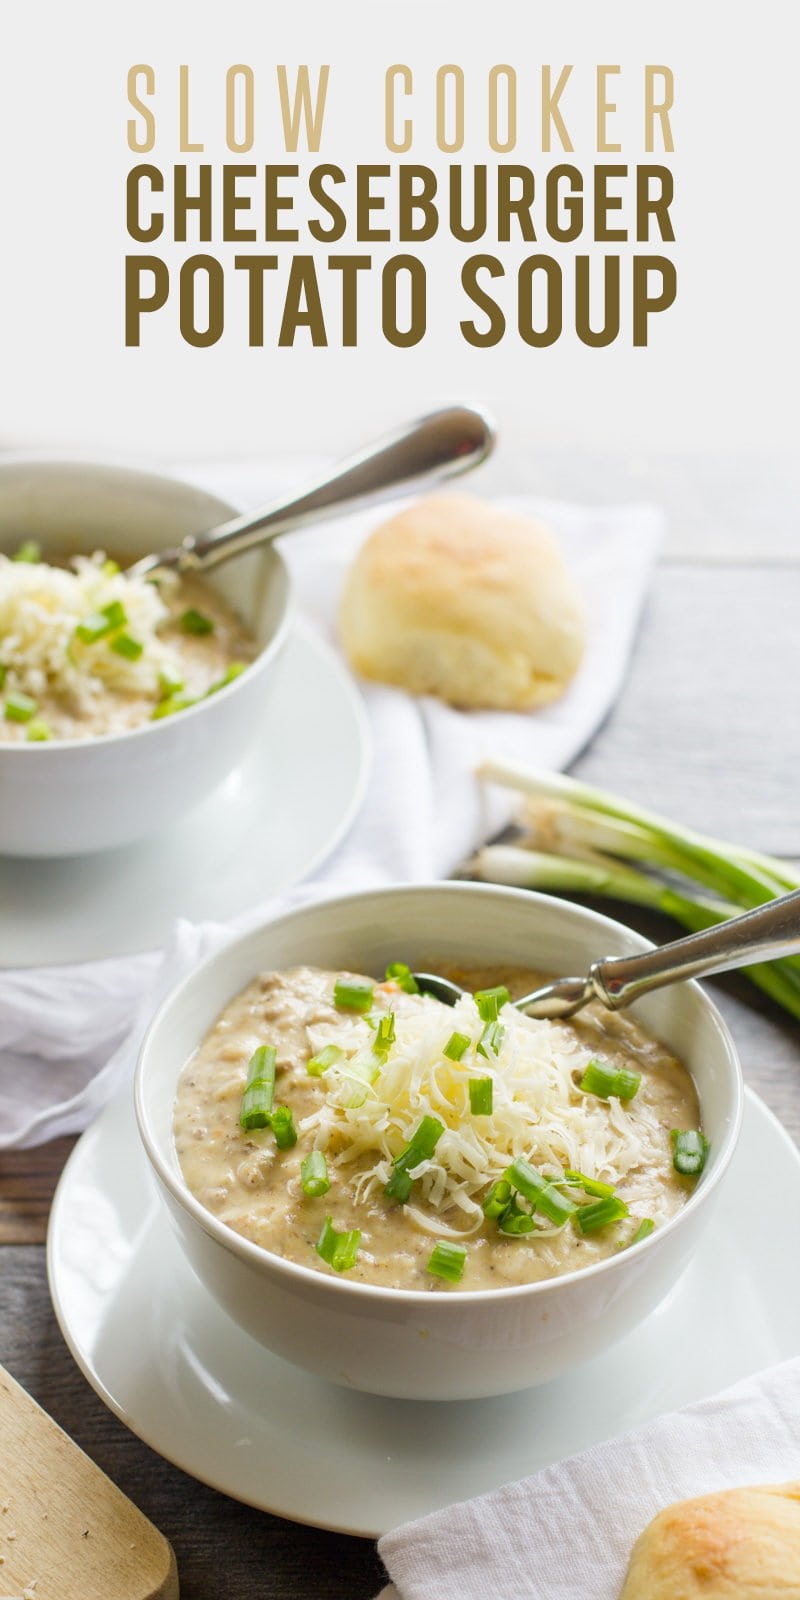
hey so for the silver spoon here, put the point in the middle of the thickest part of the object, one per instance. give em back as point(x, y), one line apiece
point(766, 934)
point(416, 456)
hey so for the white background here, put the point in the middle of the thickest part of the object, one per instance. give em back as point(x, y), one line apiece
point(703, 419)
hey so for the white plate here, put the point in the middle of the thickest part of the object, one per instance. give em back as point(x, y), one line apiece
point(269, 825)
point(174, 1367)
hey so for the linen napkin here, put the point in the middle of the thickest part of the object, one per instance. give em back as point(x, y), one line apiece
point(568, 1530)
point(69, 1035)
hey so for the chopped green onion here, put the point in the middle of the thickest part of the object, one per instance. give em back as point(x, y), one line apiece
point(28, 551)
point(110, 568)
point(541, 1192)
point(604, 1191)
point(125, 645)
point(3, 671)
point(176, 702)
point(384, 1035)
point(689, 1151)
point(645, 1228)
point(399, 1187)
point(38, 731)
point(99, 624)
point(20, 707)
point(498, 1199)
point(605, 1081)
point(231, 672)
point(420, 1147)
point(491, 1039)
point(397, 972)
point(338, 1250)
point(282, 1125)
point(169, 683)
point(193, 621)
point(93, 627)
point(599, 1215)
point(358, 1091)
point(456, 1045)
point(447, 1261)
point(260, 1088)
point(491, 1001)
point(352, 996)
point(255, 1108)
point(324, 1059)
point(314, 1175)
point(480, 1096)
point(423, 1140)
point(516, 1221)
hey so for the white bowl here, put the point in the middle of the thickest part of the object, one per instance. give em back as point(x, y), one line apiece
point(408, 1343)
point(70, 796)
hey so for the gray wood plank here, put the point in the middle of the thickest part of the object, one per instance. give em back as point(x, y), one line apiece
point(719, 506)
point(707, 728)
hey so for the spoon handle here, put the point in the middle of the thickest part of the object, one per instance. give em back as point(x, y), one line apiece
point(415, 456)
point(766, 934)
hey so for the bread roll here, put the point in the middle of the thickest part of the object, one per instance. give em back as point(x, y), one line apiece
point(457, 598)
point(741, 1544)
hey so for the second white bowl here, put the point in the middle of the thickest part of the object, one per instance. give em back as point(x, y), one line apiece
point(402, 1342)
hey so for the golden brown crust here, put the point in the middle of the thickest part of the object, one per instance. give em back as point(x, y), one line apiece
point(457, 598)
point(740, 1544)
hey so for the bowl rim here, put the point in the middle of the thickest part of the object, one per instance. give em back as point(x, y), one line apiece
point(267, 1260)
point(110, 466)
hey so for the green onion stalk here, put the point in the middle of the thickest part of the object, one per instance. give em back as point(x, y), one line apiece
point(583, 840)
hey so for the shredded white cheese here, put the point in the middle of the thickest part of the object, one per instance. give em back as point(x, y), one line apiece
point(372, 1108)
point(41, 607)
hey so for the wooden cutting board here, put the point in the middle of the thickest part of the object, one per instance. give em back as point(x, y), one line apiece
point(66, 1531)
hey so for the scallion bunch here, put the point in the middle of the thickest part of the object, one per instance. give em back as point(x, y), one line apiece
point(583, 840)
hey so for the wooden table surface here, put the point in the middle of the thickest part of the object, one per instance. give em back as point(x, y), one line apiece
point(707, 730)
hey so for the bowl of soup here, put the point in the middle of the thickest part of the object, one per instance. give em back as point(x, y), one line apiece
point(424, 1201)
point(123, 701)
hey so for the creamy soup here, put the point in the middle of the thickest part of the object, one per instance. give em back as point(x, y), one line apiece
point(356, 1085)
point(87, 651)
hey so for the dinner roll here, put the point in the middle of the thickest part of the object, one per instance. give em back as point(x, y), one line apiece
point(741, 1544)
point(457, 598)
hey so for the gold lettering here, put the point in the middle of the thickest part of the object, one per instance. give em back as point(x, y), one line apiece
point(403, 338)
point(551, 114)
point(143, 233)
point(136, 302)
point(300, 108)
point(444, 76)
point(583, 326)
point(185, 145)
point(510, 77)
point(397, 142)
point(658, 110)
point(540, 338)
point(482, 339)
point(644, 303)
point(145, 141)
point(255, 267)
point(605, 108)
point(201, 338)
point(302, 307)
point(244, 75)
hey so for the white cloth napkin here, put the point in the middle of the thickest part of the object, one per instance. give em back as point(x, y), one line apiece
point(568, 1531)
point(422, 814)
